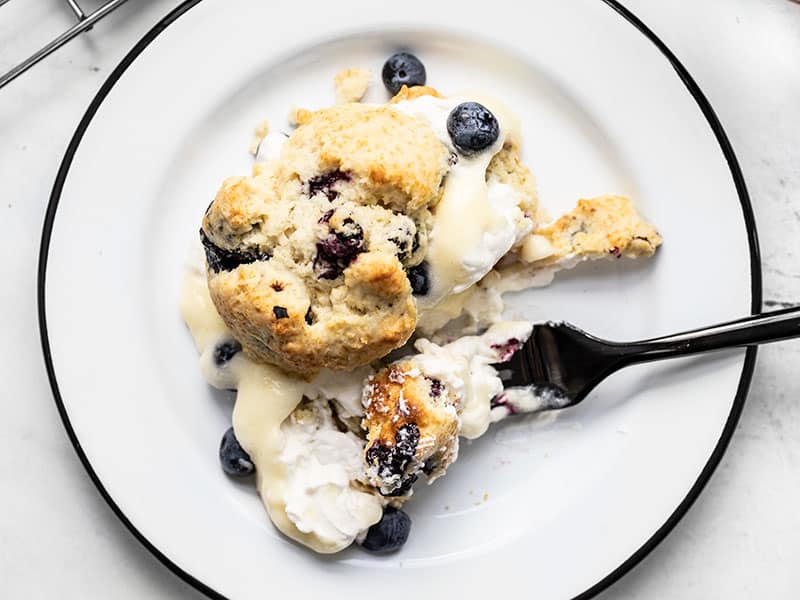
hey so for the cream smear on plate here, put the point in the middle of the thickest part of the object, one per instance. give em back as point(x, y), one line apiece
point(310, 474)
point(475, 223)
point(306, 469)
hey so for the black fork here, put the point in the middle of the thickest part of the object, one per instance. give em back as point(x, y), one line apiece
point(563, 364)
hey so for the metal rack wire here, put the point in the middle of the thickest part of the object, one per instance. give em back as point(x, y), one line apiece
point(85, 23)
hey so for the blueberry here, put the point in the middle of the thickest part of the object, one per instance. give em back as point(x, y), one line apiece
point(402, 246)
point(502, 400)
point(390, 533)
point(405, 487)
point(235, 461)
point(324, 184)
point(280, 312)
point(225, 351)
point(430, 466)
point(402, 68)
point(472, 127)
point(436, 387)
point(220, 259)
point(339, 249)
point(418, 278)
point(391, 461)
point(506, 350)
point(415, 245)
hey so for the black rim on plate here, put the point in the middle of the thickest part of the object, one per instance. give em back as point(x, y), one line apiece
point(744, 380)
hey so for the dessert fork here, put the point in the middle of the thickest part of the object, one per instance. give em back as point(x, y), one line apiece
point(561, 364)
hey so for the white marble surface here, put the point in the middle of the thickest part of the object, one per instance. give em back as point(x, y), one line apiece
point(740, 540)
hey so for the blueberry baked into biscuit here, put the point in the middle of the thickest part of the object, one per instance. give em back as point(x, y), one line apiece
point(374, 228)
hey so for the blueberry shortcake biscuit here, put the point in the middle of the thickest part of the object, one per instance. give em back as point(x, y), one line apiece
point(314, 258)
point(412, 425)
point(416, 408)
point(307, 259)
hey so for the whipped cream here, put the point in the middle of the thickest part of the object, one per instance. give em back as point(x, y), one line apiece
point(475, 223)
point(270, 146)
point(465, 367)
point(310, 474)
point(307, 471)
point(321, 463)
point(343, 386)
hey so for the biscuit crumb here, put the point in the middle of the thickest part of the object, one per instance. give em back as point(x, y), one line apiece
point(412, 93)
point(605, 226)
point(298, 116)
point(486, 496)
point(351, 84)
point(259, 133)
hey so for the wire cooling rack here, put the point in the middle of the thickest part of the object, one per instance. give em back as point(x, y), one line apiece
point(85, 23)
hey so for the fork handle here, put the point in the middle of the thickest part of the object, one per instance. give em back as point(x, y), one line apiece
point(755, 329)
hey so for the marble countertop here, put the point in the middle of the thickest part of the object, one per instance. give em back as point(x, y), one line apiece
point(741, 539)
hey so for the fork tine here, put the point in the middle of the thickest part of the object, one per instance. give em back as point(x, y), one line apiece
point(516, 372)
point(541, 360)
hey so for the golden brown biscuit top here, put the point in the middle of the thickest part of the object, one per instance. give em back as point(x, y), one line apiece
point(375, 144)
point(399, 396)
point(412, 426)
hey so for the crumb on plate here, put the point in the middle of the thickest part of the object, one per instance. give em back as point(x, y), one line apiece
point(298, 116)
point(259, 133)
point(351, 84)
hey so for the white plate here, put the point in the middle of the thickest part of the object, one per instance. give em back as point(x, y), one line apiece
point(553, 510)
